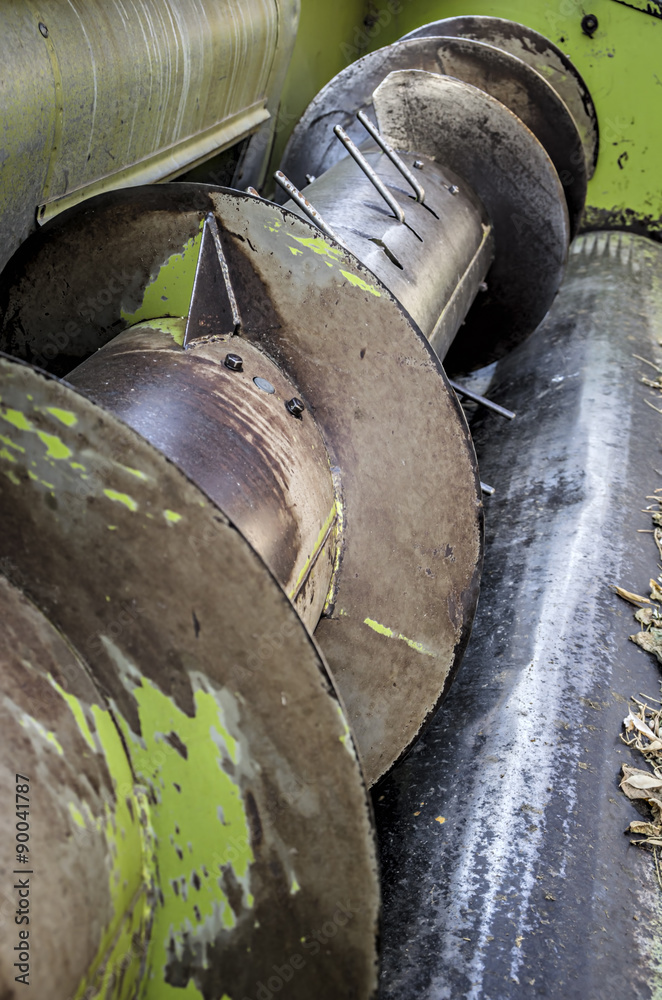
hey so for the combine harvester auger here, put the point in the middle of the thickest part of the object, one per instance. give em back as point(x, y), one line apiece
point(241, 515)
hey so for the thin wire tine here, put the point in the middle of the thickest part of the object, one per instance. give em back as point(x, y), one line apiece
point(395, 159)
point(304, 204)
point(355, 152)
point(482, 400)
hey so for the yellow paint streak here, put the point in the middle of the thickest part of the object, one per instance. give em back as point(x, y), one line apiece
point(172, 325)
point(321, 541)
point(77, 712)
point(360, 283)
point(172, 516)
point(27, 721)
point(11, 444)
point(65, 417)
point(121, 498)
point(54, 447)
point(135, 472)
point(318, 246)
point(77, 816)
point(390, 634)
point(17, 420)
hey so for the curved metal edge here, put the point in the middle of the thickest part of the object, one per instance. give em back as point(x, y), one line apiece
point(509, 170)
point(259, 682)
point(312, 148)
point(525, 92)
point(307, 303)
point(532, 47)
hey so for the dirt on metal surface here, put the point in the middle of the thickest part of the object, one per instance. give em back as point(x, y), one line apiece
point(262, 826)
point(508, 169)
point(538, 52)
point(407, 578)
point(265, 468)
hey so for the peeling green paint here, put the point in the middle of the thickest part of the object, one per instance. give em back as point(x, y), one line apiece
point(121, 498)
point(17, 419)
point(114, 972)
point(77, 712)
point(318, 246)
point(169, 292)
point(319, 544)
point(134, 472)
point(172, 516)
point(194, 842)
point(346, 738)
point(55, 447)
point(11, 444)
point(64, 416)
point(77, 816)
point(8, 457)
point(390, 634)
point(360, 283)
point(28, 722)
point(174, 326)
point(12, 477)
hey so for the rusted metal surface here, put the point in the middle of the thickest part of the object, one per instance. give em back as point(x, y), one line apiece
point(538, 52)
point(407, 580)
point(104, 98)
point(265, 468)
point(261, 821)
point(506, 166)
point(434, 264)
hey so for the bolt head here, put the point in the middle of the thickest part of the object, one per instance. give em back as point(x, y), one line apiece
point(589, 24)
point(234, 362)
point(454, 189)
point(43, 29)
point(419, 164)
point(295, 406)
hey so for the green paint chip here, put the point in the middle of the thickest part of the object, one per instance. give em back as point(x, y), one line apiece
point(390, 634)
point(172, 516)
point(121, 498)
point(65, 417)
point(360, 283)
point(55, 448)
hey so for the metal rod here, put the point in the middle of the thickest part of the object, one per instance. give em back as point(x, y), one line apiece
point(304, 204)
point(251, 190)
point(487, 403)
point(487, 490)
point(395, 159)
point(355, 152)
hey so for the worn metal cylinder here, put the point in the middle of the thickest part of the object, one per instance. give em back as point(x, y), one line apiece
point(435, 261)
point(222, 411)
point(530, 877)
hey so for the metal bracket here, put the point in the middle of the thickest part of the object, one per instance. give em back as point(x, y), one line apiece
point(213, 309)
